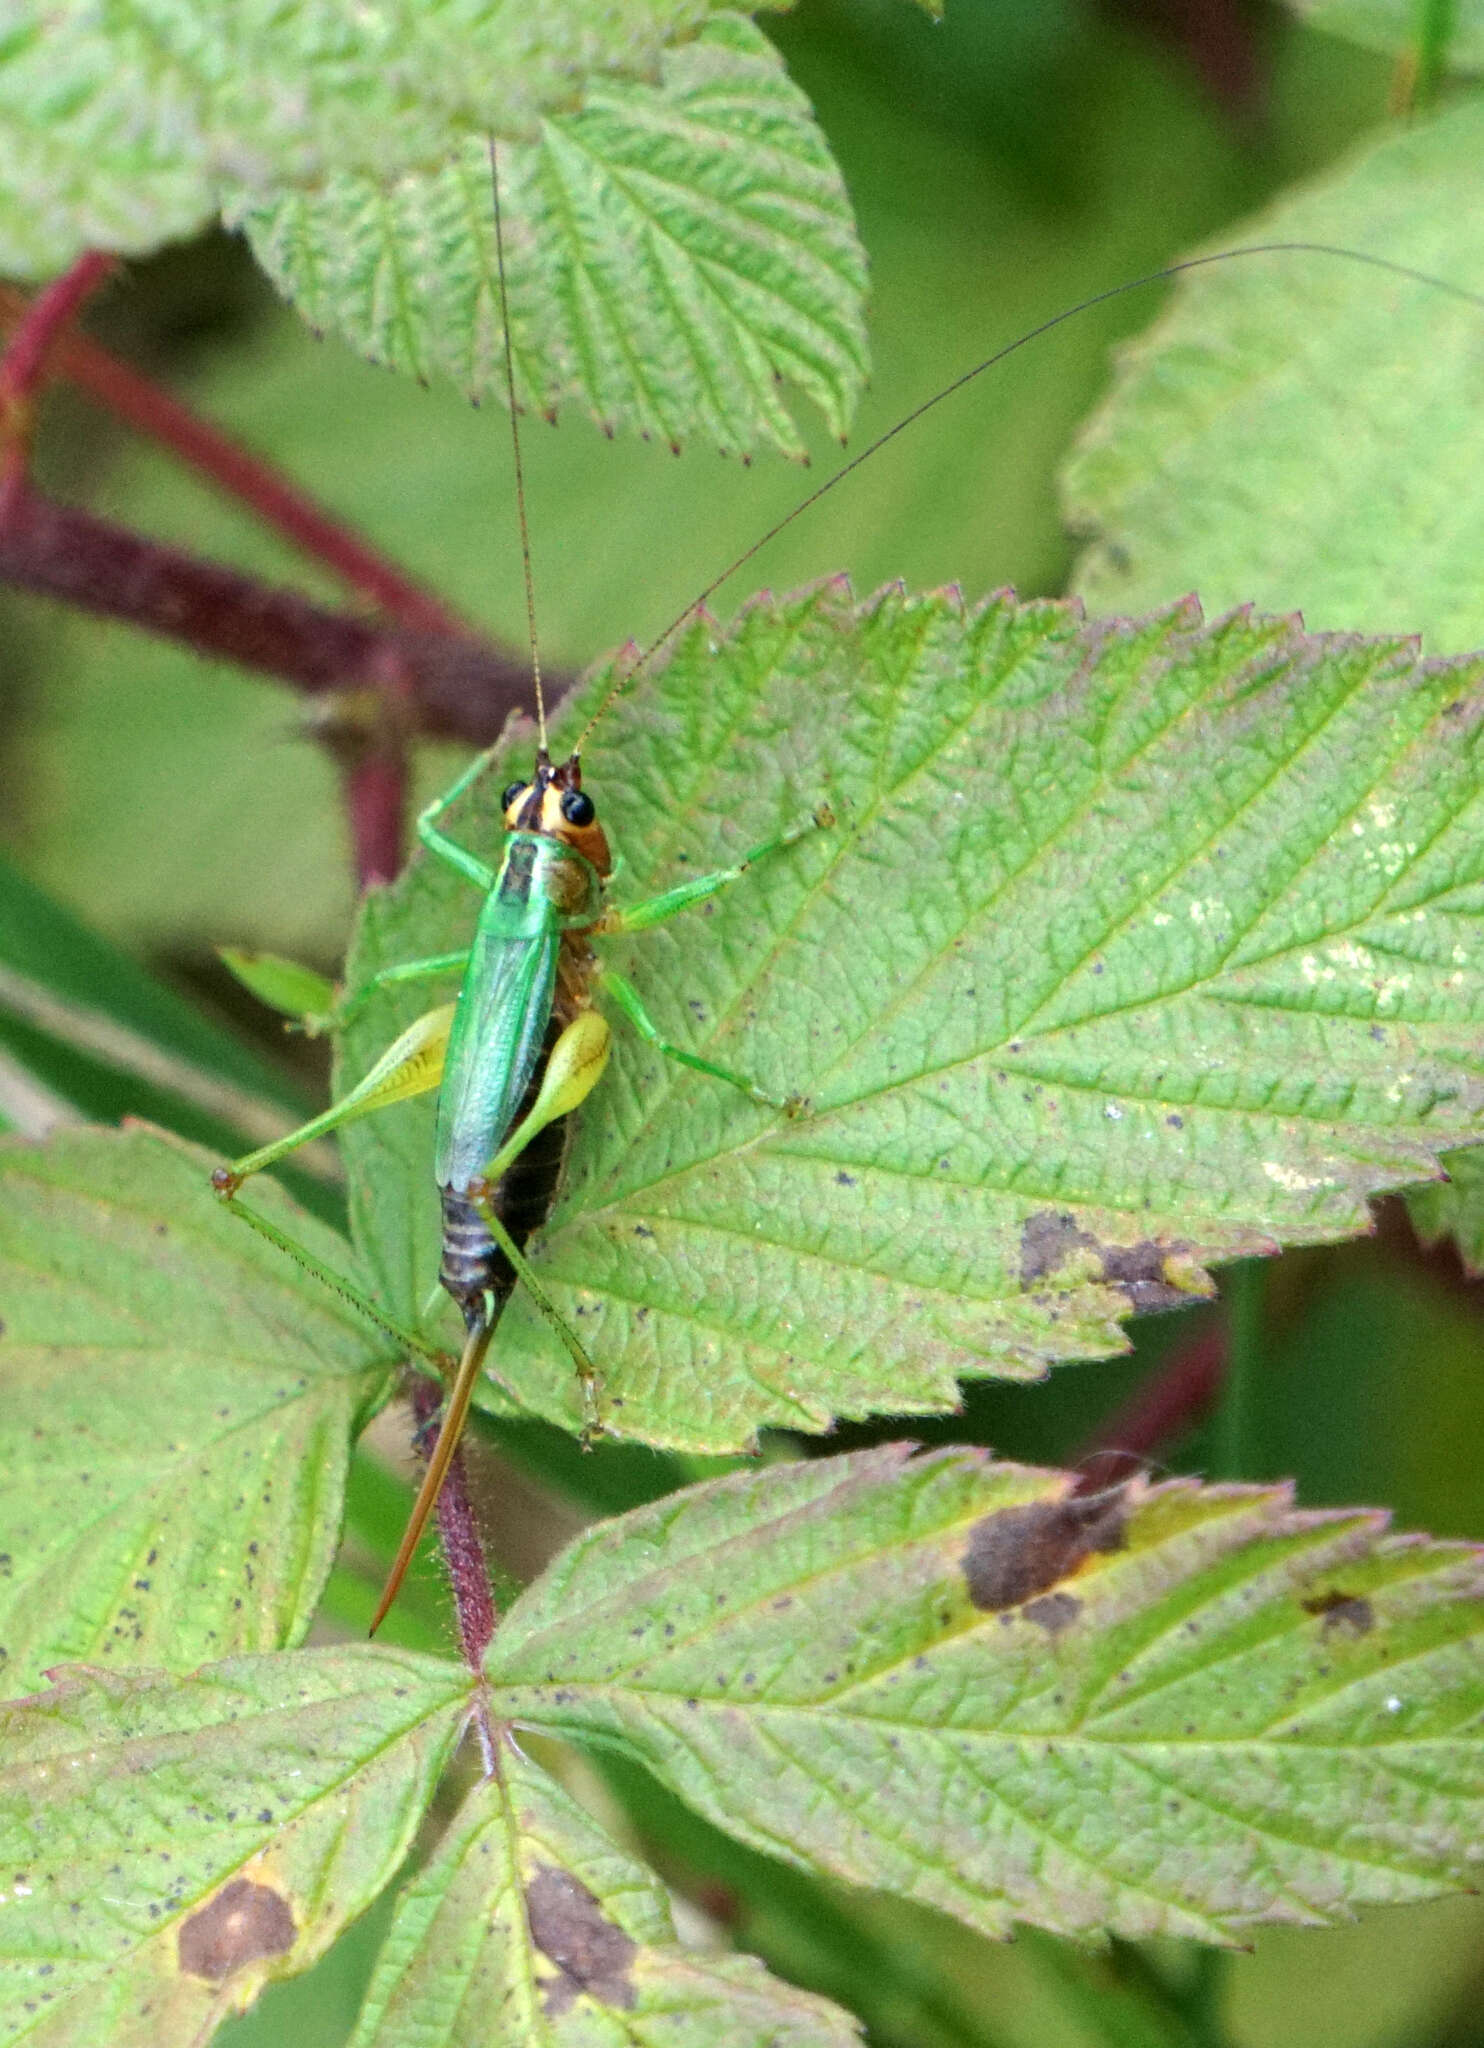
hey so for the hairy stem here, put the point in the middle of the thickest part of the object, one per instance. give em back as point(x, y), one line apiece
point(463, 1550)
point(459, 688)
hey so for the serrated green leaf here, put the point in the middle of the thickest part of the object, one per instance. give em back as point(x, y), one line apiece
point(120, 126)
point(179, 1407)
point(1454, 1208)
point(1396, 26)
point(671, 252)
point(217, 828)
point(1166, 1709)
point(1269, 442)
point(99, 150)
point(1137, 945)
point(170, 1844)
point(526, 1923)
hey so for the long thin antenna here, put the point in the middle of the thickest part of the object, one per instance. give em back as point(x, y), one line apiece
point(520, 477)
point(629, 675)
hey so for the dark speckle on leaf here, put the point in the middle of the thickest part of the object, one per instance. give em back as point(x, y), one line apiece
point(1050, 1240)
point(245, 1923)
point(844, 1179)
point(1053, 1611)
point(1018, 1552)
point(1343, 1610)
point(569, 1928)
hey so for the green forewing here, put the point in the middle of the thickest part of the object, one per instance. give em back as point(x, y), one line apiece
point(1159, 1710)
point(503, 1010)
point(1136, 945)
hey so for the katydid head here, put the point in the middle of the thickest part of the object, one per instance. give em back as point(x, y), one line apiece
point(554, 803)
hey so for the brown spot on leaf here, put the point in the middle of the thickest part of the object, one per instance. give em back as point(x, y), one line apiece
point(244, 1923)
point(1016, 1553)
point(1053, 1611)
point(1343, 1610)
point(1049, 1240)
point(569, 1927)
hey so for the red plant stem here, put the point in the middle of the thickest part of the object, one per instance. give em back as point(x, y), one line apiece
point(246, 477)
point(459, 688)
point(463, 1550)
point(27, 353)
point(1178, 1396)
point(39, 327)
point(376, 806)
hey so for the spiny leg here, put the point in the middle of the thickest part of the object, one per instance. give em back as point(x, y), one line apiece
point(655, 910)
point(469, 865)
point(441, 1361)
point(627, 998)
point(387, 977)
point(482, 1195)
point(411, 1065)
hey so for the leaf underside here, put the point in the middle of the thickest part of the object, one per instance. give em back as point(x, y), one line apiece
point(672, 251)
point(170, 1844)
point(526, 1918)
point(1137, 945)
point(180, 1403)
point(1169, 1709)
point(120, 126)
point(1153, 1709)
point(1267, 441)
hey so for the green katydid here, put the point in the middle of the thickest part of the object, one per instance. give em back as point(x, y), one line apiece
point(530, 969)
point(525, 1044)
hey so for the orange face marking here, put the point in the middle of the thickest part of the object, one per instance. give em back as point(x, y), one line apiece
point(537, 807)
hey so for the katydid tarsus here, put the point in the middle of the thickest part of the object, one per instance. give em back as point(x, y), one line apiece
point(526, 1042)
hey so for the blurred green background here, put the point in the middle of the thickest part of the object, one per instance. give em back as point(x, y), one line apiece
point(1012, 159)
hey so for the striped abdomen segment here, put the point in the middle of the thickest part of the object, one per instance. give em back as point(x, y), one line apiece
point(473, 1264)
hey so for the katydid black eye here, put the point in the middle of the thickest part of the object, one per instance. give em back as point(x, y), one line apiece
point(578, 807)
point(511, 793)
